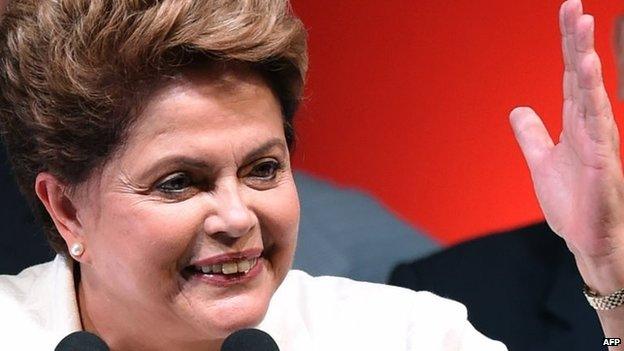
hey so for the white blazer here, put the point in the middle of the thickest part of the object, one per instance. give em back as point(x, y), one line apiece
point(38, 308)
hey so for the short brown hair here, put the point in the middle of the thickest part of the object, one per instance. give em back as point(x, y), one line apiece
point(73, 72)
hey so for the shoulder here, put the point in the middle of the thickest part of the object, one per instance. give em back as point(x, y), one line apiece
point(17, 287)
point(19, 302)
point(534, 248)
point(330, 296)
point(370, 315)
point(19, 293)
point(38, 306)
point(348, 293)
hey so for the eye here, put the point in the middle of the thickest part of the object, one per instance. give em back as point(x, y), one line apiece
point(265, 170)
point(175, 183)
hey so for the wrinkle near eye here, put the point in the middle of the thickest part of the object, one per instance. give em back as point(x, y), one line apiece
point(126, 185)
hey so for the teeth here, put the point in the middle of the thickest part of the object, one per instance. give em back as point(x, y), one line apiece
point(230, 268)
point(242, 266)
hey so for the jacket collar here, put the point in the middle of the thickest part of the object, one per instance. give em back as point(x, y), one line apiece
point(41, 301)
point(283, 320)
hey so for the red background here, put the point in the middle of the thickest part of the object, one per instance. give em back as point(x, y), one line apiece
point(408, 99)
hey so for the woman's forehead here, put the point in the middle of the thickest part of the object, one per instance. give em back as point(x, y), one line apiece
point(225, 80)
point(199, 97)
point(198, 116)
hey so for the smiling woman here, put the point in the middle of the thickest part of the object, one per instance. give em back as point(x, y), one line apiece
point(201, 189)
point(153, 139)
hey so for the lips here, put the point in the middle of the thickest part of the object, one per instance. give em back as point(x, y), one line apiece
point(228, 258)
point(226, 269)
point(231, 267)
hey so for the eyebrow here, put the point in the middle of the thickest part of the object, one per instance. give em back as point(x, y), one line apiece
point(266, 147)
point(181, 160)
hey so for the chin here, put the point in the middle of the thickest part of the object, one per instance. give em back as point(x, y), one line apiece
point(236, 312)
point(231, 310)
point(217, 311)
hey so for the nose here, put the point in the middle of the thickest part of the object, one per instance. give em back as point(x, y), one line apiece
point(231, 217)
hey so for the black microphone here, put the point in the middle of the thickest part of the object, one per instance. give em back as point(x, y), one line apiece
point(81, 341)
point(249, 340)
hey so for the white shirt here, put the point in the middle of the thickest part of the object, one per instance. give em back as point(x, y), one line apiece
point(38, 308)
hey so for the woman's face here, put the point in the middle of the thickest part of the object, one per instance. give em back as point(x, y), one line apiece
point(191, 227)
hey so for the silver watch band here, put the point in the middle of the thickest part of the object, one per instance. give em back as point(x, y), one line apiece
point(603, 303)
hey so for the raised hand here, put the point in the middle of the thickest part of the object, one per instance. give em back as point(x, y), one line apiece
point(578, 181)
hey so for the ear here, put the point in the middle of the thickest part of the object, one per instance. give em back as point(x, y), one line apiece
point(54, 195)
point(619, 54)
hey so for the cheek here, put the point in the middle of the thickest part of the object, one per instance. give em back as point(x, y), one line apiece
point(278, 214)
point(144, 236)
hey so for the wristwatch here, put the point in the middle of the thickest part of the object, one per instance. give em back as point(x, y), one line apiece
point(603, 303)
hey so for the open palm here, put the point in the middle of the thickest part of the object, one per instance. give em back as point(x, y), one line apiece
point(578, 181)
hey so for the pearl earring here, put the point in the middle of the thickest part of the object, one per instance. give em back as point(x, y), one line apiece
point(77, 249)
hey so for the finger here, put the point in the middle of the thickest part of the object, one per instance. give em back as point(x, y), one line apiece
point(584, 36)
point(561, 21)
point(531, 135)
point(569, 13)
point(596, 108)
point(569, 76)
point(570, 124)
point(583, 45)
point(588, 69)
point(594, 105)
point(567, 58)
point(572, 10)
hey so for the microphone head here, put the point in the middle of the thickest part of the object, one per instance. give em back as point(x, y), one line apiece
point(81, 341)
point(249, 340)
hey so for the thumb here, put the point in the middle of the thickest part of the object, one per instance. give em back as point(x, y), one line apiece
point(531, 135)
